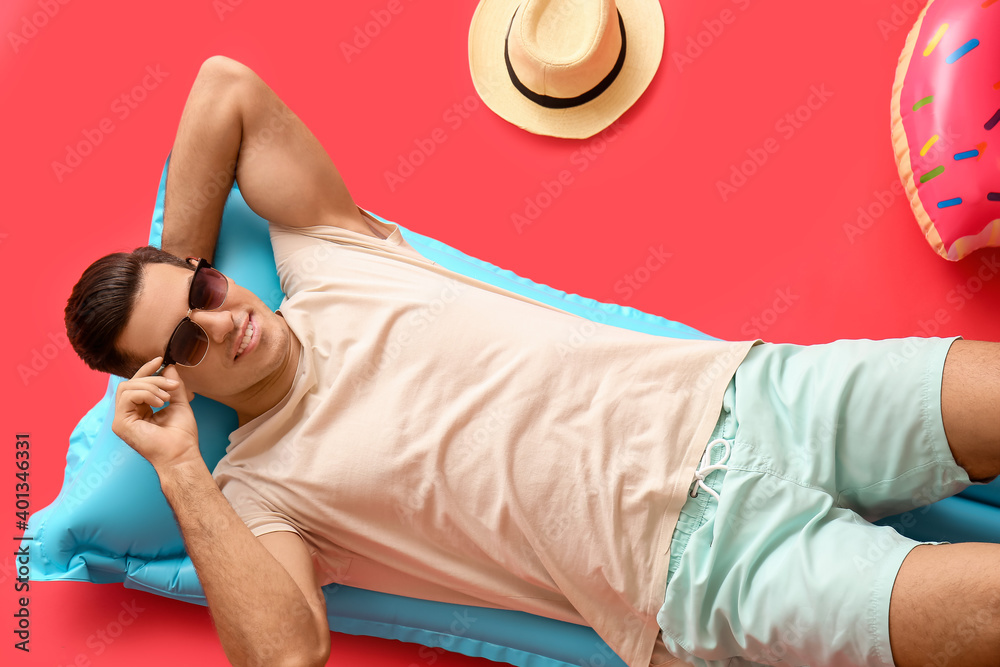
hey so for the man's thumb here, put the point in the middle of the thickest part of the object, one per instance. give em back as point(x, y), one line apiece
point(181, 390)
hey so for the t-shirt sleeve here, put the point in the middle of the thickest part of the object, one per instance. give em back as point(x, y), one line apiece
point(294, 253)
point(260, 516)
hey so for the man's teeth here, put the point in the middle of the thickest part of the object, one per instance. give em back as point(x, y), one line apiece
point(246, 339)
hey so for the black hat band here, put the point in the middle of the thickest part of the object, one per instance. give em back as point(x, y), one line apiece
point(565, 102)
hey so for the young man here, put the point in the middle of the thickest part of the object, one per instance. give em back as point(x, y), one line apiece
point(407, 429)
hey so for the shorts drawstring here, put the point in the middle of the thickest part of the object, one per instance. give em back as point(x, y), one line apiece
point(704, 469)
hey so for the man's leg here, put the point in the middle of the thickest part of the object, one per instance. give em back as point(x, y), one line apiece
point(970, 406)
point(945, 607)
point(945, 604)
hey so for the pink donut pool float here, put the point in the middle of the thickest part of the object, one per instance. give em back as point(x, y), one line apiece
point(945, 111)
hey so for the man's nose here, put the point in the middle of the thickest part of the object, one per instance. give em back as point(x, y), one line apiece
point(217, 323)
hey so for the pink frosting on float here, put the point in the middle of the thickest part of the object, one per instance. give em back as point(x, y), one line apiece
point(966, 95)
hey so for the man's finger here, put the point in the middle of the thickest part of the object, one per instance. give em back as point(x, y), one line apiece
point(137, 397)
point(179, 390)
point(153, 383)
point(179, 394)
point(171, 373)
point(149, 367)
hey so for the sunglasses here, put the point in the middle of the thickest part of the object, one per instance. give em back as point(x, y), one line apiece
point(188, 344)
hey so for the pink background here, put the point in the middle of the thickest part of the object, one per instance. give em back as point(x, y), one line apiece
point(782, 241)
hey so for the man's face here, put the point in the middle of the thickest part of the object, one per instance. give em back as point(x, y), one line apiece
point(162, 302)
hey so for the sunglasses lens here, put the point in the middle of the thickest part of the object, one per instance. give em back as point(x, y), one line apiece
point(209, 289)
point(189, 344)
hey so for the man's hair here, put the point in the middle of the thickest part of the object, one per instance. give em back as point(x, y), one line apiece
point(101, 304)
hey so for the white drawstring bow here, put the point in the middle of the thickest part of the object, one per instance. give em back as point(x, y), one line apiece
point(704, 469)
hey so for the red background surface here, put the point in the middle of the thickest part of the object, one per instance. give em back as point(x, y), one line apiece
point(656, 184)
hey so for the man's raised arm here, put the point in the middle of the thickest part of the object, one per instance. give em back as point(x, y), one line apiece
point(234, 126)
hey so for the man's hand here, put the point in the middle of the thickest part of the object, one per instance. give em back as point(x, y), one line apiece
point(164, 438)
point(264, 599)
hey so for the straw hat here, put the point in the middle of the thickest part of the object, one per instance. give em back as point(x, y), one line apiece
point(565, 68)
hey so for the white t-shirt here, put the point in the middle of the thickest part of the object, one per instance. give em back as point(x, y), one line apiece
point(449, 440)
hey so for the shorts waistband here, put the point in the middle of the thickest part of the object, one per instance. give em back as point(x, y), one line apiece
point(703, 497)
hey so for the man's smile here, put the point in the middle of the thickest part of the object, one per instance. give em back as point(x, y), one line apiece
point(249, 336)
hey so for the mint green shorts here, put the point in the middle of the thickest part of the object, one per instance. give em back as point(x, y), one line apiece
point(785, 568)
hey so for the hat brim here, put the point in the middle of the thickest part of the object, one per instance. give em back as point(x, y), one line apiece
point(644, 48)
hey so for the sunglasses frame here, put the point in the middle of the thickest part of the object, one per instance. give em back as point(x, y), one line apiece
point(167, 359)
